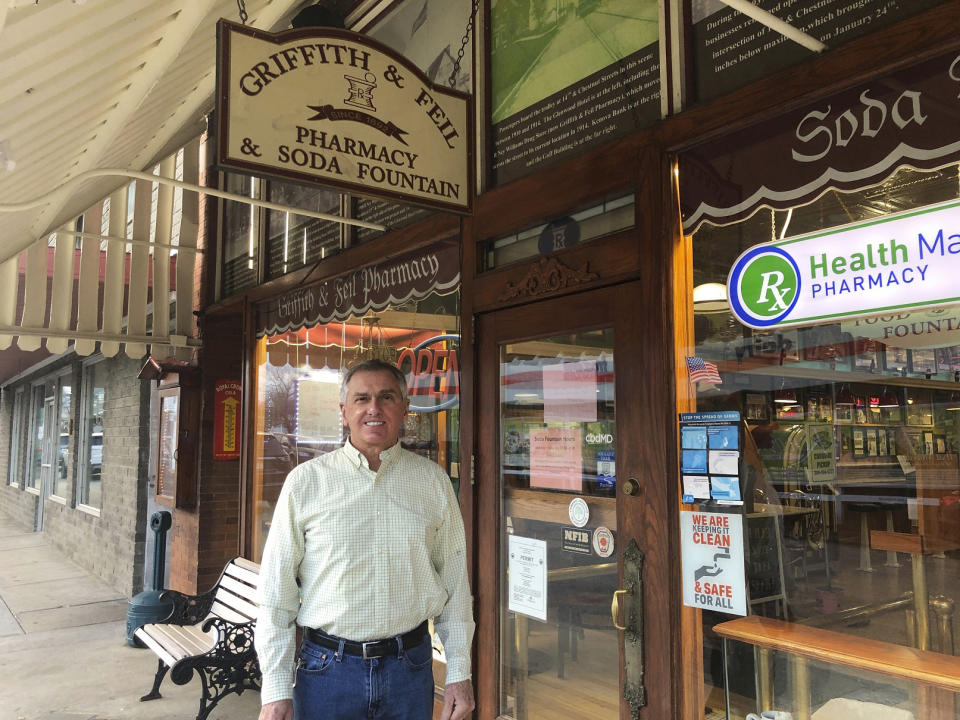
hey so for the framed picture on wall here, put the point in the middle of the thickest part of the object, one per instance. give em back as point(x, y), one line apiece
point(919, 407)
point(872, 442)
point(860, 414)
point(765, 345)
point(940, 444)
point(866, 355)
point(928, 443)
point(948, 358)
point(895, 360)
point(790, 345)
point(756, 406)
point(882, 442)
point(859, 446)
point(827, 343)
point(923, 362)
point(790, 412)
point(826, 409)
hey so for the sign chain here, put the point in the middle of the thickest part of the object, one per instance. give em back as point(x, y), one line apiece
point(463, 44)
point(242, 7)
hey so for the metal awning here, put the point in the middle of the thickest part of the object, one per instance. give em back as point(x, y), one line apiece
point(88, 85)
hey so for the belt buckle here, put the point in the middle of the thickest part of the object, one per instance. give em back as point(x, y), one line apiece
point(370, 645)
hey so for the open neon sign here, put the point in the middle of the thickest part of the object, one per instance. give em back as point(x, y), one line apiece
point(432, 372)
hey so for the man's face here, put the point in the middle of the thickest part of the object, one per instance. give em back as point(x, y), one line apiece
point(374, 411)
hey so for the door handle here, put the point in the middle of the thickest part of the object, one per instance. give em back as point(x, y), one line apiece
point(615, 608)
point(634, 690)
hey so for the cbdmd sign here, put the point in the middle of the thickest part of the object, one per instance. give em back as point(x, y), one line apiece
point(907, 260)
point(332, 106)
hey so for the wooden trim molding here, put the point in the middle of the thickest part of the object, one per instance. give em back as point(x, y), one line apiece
point(546, 277)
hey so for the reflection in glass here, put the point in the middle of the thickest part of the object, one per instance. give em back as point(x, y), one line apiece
point(94, 384)
point(63, 440)
point(559, 649)
point(294, 241)
point(852, 489)
point(298, 391)
point(37, 435)
point(240, 236)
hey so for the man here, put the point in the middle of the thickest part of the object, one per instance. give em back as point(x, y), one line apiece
point(374, 536)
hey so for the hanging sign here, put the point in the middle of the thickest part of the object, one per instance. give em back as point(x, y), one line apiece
point(901, 261)
point(226, 420)
point(335, 107)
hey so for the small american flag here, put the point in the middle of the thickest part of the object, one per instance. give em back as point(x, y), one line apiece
point(702, 371)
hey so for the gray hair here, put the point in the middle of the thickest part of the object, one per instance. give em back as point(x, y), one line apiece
point(374, 365)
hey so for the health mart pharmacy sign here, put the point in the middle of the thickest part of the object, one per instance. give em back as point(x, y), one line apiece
point(907, 260)
point(335, 107)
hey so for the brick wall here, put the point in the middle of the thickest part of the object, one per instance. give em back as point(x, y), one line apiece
point(204, 538)
point(219, 504)
point(112, 545)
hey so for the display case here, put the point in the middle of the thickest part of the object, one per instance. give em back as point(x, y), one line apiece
point(177, 432)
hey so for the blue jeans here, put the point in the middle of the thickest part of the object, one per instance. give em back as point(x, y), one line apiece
point(331, 685)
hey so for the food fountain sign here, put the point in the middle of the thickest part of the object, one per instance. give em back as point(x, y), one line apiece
point(902, 261)
point(337, 108)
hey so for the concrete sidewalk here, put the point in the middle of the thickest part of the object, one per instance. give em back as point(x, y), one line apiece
point(63, 654)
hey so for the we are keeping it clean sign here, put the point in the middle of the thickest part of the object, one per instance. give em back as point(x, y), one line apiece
point(713, 569)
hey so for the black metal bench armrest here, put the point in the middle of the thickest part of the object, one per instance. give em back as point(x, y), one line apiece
point(188, 609)
point(234, 654)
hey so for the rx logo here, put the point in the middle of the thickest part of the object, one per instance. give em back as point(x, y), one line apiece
point(763, 286)
point(361, 91)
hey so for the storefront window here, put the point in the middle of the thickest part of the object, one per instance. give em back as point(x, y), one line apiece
point(298, 390)
point(94, 379)
point(240, 236)
point(38, 433)
point(849, 487)
point(64, 428)
point(294, 241)
point(18, 426)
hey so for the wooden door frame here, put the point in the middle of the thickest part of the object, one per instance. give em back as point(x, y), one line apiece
point(644, 401)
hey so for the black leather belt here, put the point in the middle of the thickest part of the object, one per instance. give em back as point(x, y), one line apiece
point(372, 648)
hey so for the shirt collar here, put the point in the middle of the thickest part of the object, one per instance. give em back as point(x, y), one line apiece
point(358, 459)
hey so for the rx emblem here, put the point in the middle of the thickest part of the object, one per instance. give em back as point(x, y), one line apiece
point(361, 91)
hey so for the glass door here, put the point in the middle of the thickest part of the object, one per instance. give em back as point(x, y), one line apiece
point(559, 477)
point(558, 570)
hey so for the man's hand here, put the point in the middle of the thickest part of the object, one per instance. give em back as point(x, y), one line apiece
point(457, 701)
point(279, 710)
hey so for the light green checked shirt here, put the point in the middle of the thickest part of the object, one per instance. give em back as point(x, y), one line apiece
point(377, 553)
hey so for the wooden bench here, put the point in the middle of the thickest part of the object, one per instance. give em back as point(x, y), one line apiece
point(210, 634)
